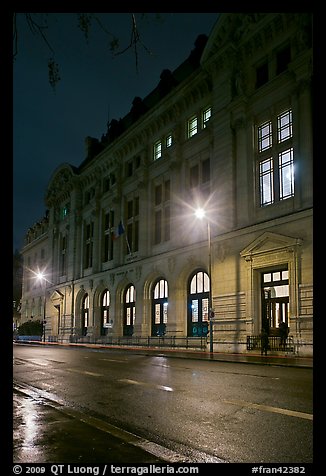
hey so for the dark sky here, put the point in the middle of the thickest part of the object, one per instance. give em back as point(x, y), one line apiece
point(49, 127)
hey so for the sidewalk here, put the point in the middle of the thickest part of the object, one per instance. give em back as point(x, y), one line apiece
point(43, 433)
point(288, 360)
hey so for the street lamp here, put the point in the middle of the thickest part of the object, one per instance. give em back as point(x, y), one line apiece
point(40, 276)
point(201, 214)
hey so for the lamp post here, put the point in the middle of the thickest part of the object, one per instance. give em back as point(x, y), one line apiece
point(42, 278)
point(200, 213)
point(44, 316)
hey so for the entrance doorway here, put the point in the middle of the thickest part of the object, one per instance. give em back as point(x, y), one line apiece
point(198, 303)
point(275, 300)
point(160, 308)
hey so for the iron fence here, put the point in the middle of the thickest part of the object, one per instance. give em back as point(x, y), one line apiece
point(199, 343)
point(274, 343)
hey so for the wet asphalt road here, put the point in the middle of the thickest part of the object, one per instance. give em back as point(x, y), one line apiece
point(201, 411)
point(43, 434)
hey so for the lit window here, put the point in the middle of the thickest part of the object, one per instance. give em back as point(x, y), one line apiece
point(206, 116)
point(65, 210)
point(160, 308)
point(192, 126)
point(105, 311)
point(276, 170)
point(85, 314)
point(286, 174)
point(168, 140)
point(157, 151)
point(266, 182)
point(265, 136)
point(284, 126)
point(130, 310)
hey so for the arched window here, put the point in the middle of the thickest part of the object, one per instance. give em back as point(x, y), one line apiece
point(198, 304)
point(129, 311)
point(85, 314)
point(160, 308)
point(105, 303)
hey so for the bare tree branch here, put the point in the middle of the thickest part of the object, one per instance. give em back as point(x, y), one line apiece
point(84, 24)
point(135, 39)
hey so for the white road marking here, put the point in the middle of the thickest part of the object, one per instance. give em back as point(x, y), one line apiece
point(268, 408)
point(145, 384)
point(114, 360)
point(85, 372)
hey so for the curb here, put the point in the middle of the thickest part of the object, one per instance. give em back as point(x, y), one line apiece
point(279, 360)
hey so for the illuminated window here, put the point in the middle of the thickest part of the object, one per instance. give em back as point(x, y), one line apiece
point(129, 310)
point(266, 181)
point(168, 140)
point(85, 314)
point(264, 136)
point(105, 304)
point(275, 159)
point(198, 304)
point(157, 152)
point(206, 115)
point(65, 210)
point(192, 126)
point(284, 126)
point(160, 308)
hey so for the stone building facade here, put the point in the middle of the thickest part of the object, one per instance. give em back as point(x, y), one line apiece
point(230, 131)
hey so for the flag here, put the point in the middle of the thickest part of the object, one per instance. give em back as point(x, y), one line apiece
point(118, 231)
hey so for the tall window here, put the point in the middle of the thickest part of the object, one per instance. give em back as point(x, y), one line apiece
point(85, 315)
point(275, 159)
point(192, 126)
point(162, 212)
point(63, 256)
point(105, 303)
point(160, 308)
point(206, 115)
point(168, 140)
point(108, 229)
point(157, 150)
point(132, 242)
point(65, 210)
point(283, 58)
point(129, 311)
point(199, 180)
point(198, 304)
point(89, 235)
point(262, 74)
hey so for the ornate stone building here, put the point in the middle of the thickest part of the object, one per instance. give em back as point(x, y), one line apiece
point(230, 131)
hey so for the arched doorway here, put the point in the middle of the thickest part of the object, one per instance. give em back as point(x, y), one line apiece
point(85, 315)
point(198, 304)
point(129, 310)
point(105, 314)
point(160, 308)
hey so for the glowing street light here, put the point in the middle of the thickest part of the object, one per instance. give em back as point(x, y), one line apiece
point(41, 277)
point(201, 214)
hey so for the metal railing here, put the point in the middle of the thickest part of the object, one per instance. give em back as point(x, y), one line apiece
point(274, 343)
point(199, 343)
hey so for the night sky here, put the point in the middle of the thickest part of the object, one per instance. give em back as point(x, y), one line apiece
point(49, 127)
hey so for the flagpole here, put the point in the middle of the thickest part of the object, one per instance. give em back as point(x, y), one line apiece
point(127, 241)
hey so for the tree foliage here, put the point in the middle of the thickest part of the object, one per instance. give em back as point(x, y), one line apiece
point(30, 328)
